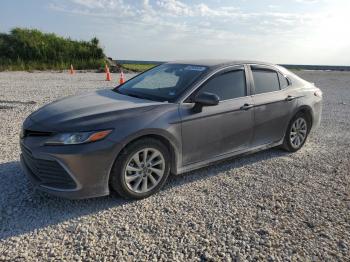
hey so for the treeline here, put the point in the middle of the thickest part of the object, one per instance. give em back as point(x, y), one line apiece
point(30, 49)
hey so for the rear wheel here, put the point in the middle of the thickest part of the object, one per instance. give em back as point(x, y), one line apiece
point(141, 169)
point(297, 132)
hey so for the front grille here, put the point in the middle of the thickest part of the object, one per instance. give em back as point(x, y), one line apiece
point(49, 173)
point(27, 132)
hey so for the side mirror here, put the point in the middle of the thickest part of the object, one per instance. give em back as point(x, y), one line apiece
point(205, 99)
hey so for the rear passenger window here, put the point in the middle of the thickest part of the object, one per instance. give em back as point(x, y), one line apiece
point(283, 81)
point(227, 85)
point(265, 81)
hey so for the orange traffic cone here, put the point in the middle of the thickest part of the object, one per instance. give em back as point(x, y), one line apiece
point(71, 71)
point(108, 74)
point(121, 79)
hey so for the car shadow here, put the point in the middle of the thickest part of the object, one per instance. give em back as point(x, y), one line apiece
point(25, 209)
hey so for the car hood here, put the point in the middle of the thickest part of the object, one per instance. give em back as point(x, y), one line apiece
point(86, 112)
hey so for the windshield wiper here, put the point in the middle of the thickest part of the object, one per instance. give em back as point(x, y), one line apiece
point(140, 96)
point(134, 95)
point(127, 94)
point(117, 91)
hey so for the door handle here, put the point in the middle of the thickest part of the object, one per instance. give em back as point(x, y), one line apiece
point(290, 98)
point(246, 106)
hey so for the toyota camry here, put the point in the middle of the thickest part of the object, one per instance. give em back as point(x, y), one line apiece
point(173, 118)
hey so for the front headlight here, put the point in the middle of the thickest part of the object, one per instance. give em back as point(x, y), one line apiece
point(77, 138)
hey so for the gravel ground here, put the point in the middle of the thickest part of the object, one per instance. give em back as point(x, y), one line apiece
point(271, 205)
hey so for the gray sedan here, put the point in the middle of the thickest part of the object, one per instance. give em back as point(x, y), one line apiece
point(176, 117)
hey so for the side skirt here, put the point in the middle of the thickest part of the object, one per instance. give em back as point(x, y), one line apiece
point(219, 158)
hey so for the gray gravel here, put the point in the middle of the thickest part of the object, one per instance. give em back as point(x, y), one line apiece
point(271, 205)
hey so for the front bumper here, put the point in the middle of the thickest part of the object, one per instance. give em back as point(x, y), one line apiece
point(73, 171)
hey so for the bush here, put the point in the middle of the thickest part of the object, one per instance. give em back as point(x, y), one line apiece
point(137, 67)
point(30, 49)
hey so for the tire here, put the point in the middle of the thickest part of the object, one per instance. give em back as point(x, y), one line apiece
point(298, 129)
point(134, 178)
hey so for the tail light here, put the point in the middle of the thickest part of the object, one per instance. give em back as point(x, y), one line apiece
point(318, 93)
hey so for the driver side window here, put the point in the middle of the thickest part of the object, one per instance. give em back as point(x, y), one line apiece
point(226, 85)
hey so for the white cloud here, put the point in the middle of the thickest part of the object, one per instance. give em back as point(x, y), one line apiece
point(165, 10)
point(174, 7)
point(107, 4)
point(308, 1)
point(165, 22)
point(173, 19)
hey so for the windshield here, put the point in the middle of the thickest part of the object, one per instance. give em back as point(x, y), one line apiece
point(162, 83)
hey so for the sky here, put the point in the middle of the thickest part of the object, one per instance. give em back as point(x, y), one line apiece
point(277, 31)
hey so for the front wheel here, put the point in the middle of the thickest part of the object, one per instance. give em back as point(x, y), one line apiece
point(141, 169)
point(297, 132)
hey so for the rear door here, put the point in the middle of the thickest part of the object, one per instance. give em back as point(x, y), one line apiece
point(273, 104)
point(219, 129)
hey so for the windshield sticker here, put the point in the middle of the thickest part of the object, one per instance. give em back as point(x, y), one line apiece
point(171, 93)
point(195, 68)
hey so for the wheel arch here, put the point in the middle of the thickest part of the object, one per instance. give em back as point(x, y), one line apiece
point(171, 147)
point(166, 138)
point(307, 111)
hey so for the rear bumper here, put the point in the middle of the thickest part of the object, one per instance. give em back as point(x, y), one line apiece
point(317, 112)
point(78, 172)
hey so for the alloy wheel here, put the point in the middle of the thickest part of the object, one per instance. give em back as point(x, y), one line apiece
point(298, 132)
point(144, 170)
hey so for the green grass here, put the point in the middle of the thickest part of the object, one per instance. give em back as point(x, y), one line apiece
point(137, 67)
point(30, 49)
point(39, 65)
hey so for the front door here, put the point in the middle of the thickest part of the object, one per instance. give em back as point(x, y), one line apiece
point(220, 129)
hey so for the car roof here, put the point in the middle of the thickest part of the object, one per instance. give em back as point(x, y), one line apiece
point(215, 63)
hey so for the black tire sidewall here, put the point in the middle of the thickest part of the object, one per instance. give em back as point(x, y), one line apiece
point(117, 180)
